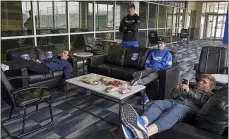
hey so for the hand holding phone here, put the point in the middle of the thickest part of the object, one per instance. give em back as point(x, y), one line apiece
point(185, 81)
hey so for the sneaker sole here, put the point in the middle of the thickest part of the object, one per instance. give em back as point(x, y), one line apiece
point(129, 119)
point(137, 80)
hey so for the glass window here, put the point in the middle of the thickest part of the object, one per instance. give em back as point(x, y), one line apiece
point(77, 42)
point(16, 18)
point(61, 42)
point(142, 14)
point(50, 17)
point(169, 17)
point(14, 43)
point(104, 15)
point(152, 16)
point(121, 11)
point(74, 16)
point(161, 17)
point(142, 38)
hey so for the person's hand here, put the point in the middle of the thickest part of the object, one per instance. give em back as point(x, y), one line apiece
point(38, 61)
point(184, 87)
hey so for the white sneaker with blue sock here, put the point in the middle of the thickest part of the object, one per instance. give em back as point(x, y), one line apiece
point(128, 134)
point(134, 122)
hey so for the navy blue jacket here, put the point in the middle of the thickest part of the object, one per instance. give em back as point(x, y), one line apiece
point(159, 59)
point(59, 65)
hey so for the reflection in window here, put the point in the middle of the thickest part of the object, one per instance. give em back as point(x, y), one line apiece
point(161, 17)
point(152, 16)
point(121, 11)
point(142, 14)
point(16, 18)
point(142, 38)
point(50, 17)
point(104, 15)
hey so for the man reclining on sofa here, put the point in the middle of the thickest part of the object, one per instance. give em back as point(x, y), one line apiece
point(157, 60)
point(163, 114)
point(44, 66)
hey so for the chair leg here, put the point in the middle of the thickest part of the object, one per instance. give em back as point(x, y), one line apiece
point(36, 108)
point(24, 118)
point(11, 112)
point(50, 110)
point(23, 133)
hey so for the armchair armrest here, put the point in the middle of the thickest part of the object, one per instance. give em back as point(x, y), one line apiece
point(96, 60)
point(196, 67)
point(182, 130)
point(17, 77)
point(168, 80)
point(88, 47)
point(225, 70)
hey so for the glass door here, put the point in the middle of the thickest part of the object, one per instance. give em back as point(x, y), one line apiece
point(220, 27)
point(214, 26)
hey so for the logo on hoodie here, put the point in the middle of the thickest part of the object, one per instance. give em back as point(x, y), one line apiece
point(49, 54)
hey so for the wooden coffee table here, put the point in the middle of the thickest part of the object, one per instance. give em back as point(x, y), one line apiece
point(99, 90)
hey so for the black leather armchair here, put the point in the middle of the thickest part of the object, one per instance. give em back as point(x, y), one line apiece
point(118, 64)
point(213, 60)
point(153, 38)
point(90, 45)
point(14, 98)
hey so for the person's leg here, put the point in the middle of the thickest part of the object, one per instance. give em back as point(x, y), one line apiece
point(150, 77)
point(141, 74)
point(29, 64)
point(169, 118)
point(156, 109)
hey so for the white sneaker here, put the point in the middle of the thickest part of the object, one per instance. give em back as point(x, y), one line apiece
point(5, 67)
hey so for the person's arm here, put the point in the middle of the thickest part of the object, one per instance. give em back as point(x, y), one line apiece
point(166, 62)
point(136, 25)
point(122, 27)
point(148, 60)
point(67, 71)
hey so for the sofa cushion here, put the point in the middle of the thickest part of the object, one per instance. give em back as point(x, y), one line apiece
point(136, 57)
point(115, 55)
point(123, 73)
point(103, 69)
point(18, 53)
point(46, 51)
point(35, 77)
point(213, 116)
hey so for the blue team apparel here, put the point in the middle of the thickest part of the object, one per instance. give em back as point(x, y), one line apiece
point(130, 43)
point(159, 59)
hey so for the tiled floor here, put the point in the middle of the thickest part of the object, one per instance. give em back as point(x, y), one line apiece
point(70, 122)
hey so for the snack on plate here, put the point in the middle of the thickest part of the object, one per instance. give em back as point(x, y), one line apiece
point(105, 82)
point(90, 81)
point(111, 89)
point(117, 83)
point(124, 90)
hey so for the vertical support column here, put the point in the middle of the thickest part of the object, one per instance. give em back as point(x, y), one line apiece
point(68, 25)
point(34, 24)
point(114, 19)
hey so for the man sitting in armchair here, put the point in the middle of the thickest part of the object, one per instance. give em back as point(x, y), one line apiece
point(163, 114)
point(157, 60)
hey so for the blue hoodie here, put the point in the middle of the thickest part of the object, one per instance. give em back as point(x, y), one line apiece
point(159, 59)
point(59, 65)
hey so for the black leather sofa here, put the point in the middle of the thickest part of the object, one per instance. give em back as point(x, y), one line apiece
point(121, 62)
point(50, 80)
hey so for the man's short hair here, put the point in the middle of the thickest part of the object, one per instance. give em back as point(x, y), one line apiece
point(211, 79)
point(69, 52)
point(131, 6)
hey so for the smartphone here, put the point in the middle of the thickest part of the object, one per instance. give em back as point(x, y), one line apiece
point(185, 81)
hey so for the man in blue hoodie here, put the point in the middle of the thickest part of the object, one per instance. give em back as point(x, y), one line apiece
point(157, 60)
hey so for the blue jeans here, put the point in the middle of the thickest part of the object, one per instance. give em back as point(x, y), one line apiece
point(130, 43)
point(166, 113)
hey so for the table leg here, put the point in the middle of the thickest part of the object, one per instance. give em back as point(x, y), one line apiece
point(83, 66)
